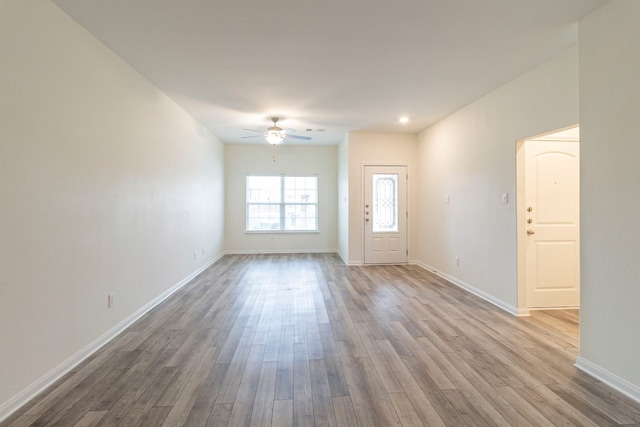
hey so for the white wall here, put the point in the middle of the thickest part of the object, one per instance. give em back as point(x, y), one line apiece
point(242, 160)
point(610, 185)
point(383, 149)
point(106, 186)
point(471, 156)
point(343, 198)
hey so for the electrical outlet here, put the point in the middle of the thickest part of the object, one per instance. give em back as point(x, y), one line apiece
point(111, 300)
point(194, 254)
point(457, 262)
point(505, 198)
point(447, 198)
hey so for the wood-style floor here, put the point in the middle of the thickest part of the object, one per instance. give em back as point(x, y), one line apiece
point(297, 340)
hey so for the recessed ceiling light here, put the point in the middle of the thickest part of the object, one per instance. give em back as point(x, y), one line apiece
point(404, 119)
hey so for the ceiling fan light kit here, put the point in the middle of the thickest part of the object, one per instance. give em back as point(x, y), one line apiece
point(274, 138)
point(275, 134)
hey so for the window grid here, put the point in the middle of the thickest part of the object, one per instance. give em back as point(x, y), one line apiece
point(282, 203)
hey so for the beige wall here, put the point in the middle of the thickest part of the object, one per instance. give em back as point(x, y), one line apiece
point(382, 149)
point(106, 185)
point(610, 186)
point(343, 198)
point(471, 156)
point(242, 160)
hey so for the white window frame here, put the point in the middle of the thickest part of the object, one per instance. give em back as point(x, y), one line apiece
point(283, 204)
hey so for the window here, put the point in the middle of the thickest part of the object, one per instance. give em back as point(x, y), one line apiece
point(282, 203)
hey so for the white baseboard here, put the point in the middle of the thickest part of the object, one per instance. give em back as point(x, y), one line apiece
point(17, 401)
point(279, 251)
point(342, 257)
point(612, 380)
point(469, 288)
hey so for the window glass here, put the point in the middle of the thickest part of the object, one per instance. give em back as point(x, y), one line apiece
point(282, 203)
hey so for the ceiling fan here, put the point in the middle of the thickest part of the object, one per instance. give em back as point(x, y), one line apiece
point(275, 134)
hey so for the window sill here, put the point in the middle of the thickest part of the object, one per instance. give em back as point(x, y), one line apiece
point(281, 231)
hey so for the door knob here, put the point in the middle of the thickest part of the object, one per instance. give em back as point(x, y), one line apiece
point(366, 219)
point(530, 232)
point(529, 209)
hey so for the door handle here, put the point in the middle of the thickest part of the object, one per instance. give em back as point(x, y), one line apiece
point(530, 232)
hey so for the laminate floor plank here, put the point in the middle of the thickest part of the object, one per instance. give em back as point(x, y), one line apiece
point(385, 374)
point(220, 415)
point(282, 413)
point(155, 417)
point(21, 421)
point(379, 397)
point(302, 393)
point(206, 399)
point(284, 376)
point(408, 415)
point(323, 413)
point(305, 340)
point(360, 398)
point(421, 404)
point(422, 355)
point(145, 404)
point(90, 419)
point(524, 407)
point(263, 404)
point(185, 400)
point(344, 412)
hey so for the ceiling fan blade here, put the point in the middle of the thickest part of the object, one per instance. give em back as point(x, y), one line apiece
point(251, 136)
point(287, 131)
point(253, 130)
point(304, 138)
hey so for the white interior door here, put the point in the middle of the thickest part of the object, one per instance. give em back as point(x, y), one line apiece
point(385, 214)
point(553, 214)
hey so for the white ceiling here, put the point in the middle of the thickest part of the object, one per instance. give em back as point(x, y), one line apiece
point(338, 65)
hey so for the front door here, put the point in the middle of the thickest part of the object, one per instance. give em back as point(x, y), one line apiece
point(552, 215)
point(385, 214)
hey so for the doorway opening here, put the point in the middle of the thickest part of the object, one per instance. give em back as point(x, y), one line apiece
point(548, 221)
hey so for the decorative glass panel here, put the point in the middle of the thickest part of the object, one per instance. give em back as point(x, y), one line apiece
point(385, 202)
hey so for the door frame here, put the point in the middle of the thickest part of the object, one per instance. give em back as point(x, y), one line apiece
point(522, 308)
point(362, 208)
